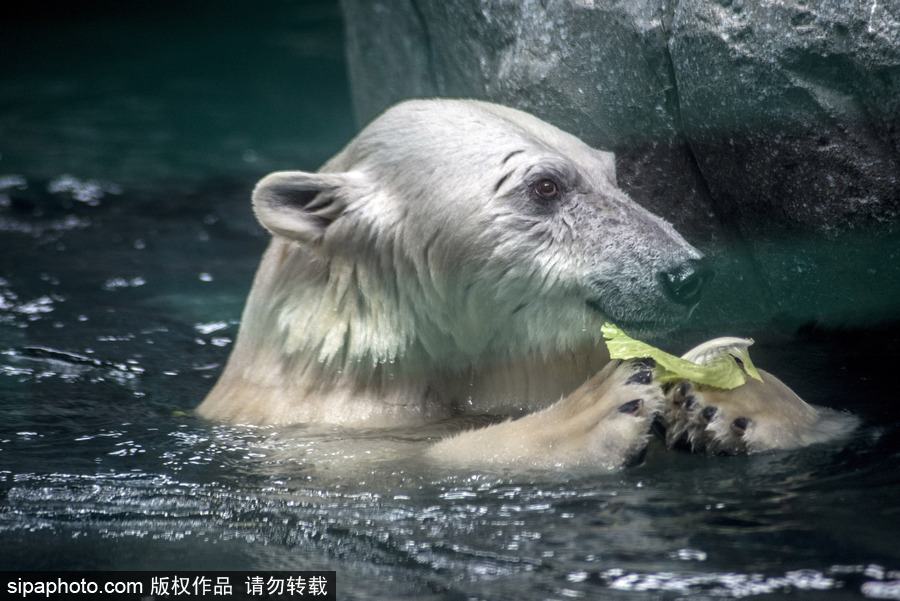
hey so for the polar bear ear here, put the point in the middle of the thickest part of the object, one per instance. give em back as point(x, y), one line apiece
point(608, 165)
point(299, 205)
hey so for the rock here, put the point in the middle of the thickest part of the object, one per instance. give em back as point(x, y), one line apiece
point(768, 133)
point(807, 95)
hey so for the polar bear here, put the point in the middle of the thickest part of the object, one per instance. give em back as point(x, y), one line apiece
point(458, 258)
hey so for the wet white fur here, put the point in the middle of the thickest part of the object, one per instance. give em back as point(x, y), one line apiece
point(415, 277)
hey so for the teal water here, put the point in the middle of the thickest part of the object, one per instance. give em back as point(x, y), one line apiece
point(129, 143)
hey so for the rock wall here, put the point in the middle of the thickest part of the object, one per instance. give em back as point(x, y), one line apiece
point(768, 132)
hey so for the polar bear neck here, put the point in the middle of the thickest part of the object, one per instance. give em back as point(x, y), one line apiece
point(357, 316)
point(326, 338)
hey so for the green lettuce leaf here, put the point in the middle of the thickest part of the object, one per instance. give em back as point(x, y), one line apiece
point(720, 363)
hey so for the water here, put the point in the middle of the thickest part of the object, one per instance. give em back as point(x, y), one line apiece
point(128, 247)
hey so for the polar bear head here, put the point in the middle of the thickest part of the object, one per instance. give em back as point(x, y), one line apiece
point(453, 229)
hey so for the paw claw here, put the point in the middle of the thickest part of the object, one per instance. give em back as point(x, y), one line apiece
point(645, 376)
point(707, 414)
point(681, 392)
point(632, 407)
point(739, 426)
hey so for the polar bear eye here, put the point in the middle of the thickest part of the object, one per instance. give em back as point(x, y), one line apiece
point(547, 189)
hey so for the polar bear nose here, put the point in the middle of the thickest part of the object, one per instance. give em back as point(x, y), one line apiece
point(684, 283)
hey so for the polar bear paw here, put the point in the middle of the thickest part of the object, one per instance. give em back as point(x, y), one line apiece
point(604, 424)
point(757, 416)
point(622, 410)
point(693, 422)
